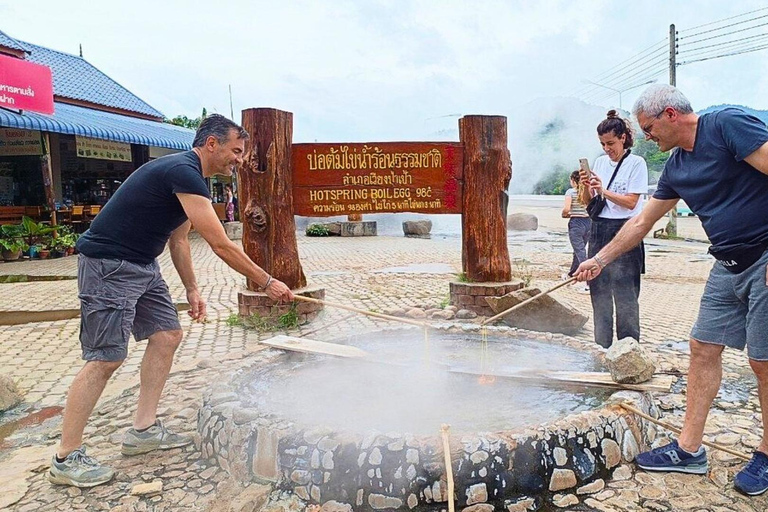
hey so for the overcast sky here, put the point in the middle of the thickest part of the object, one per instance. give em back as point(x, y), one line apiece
point(381, 70)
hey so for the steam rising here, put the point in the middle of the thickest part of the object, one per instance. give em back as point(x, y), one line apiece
point(401, 392)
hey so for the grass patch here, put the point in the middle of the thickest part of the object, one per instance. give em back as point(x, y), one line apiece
point(284, 322)
point(462, 278)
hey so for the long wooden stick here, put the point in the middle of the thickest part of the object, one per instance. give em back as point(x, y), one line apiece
point(361, 311)
point(526, 301)
point(445, 431)
point(676, 430)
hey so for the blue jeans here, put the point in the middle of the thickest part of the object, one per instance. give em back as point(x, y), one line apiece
point(578, 234)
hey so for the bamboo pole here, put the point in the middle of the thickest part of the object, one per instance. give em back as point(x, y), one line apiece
point(527, 301)
point(361, 311)
point(676, 430)
point(445, 432)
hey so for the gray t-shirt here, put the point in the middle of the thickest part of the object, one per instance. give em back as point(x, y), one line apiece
point(729, 195)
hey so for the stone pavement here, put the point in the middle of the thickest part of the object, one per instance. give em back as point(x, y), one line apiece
point(43, 358)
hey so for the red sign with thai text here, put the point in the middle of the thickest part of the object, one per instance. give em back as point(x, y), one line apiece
point(377, 177)
point(25, 85)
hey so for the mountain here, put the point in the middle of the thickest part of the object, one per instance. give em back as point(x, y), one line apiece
point(760, 114)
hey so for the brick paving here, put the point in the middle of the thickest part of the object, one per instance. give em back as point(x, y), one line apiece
point(44, 357)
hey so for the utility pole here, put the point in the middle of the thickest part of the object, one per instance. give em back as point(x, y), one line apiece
point(672, 223)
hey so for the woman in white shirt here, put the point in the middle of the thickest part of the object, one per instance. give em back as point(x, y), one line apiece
point(619, 283)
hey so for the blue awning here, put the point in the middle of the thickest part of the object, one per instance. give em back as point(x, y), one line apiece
point(86, 122)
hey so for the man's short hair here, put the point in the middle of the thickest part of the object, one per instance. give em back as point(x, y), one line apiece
point(657, 97)
point(216, 125)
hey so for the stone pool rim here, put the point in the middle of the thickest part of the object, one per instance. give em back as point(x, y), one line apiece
point(376, 470)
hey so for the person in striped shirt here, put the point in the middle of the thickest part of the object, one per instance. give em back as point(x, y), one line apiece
point(579, 224)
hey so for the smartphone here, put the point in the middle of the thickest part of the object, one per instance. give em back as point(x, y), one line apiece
point(584, 171)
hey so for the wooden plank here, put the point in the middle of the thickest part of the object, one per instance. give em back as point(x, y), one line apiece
point(661, 383)
point(307, 346)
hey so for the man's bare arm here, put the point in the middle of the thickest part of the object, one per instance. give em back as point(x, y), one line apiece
point(182, 256)
point(759, 159)
point(203, 217)
point(635, 229)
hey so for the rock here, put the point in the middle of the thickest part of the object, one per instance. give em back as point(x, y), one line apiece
point(380, 501)
point(465, 314)
point(592, 488)
point(416, 313)
point(522, 222)
point(564, 501)
point(623, 472)
point(234, 230)
point(334, 228)
point(482, 507)
point(362, 228)
point(611, 453)
point(628, 362)
point(335, 506)
point(417, 228)
point(151, 489)
point(250, 499)
point(477, 493)
point(545, 314)
point(395, 312)
point(562, 479)
point(521, 505)
point(9, 393)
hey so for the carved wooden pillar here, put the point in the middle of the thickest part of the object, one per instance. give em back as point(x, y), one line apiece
point(487, 171)
point(266, 196)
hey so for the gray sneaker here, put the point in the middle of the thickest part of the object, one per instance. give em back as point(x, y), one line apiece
point(79, 470)
point(156, 437)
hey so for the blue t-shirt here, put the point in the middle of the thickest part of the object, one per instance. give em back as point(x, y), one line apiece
point(729, 195)
point(139, 218)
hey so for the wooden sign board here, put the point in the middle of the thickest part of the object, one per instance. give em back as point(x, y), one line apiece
point(382, 177)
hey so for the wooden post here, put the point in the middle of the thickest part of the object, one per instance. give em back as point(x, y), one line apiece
point(266, 196)
point(487, 171)
point(45, 167)
point(355, 217)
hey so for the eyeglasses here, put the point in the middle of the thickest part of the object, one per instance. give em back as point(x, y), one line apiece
point(647, 128)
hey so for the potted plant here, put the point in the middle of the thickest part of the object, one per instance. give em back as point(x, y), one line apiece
point(64, 243)
point(11, 242)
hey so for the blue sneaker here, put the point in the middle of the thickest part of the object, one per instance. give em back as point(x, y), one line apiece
point(753, 479)
point(673, 458)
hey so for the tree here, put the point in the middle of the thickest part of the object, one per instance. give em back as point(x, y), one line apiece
point(186, 122)
point(556, 182)
point(654, 158)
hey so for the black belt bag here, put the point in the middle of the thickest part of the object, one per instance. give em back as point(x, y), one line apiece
point(737, 258)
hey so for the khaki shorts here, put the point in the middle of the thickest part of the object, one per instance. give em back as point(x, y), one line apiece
point(118, 298)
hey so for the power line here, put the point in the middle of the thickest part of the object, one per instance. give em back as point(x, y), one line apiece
point(724, 19)
point(724, 42)
point(633, 76)
point(726, 34)
point(724, 55)
point(726, 47)
point(725, 26)
point(635, 59)
point(625, 75)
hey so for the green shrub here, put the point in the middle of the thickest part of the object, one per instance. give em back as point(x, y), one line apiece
point(318, 230)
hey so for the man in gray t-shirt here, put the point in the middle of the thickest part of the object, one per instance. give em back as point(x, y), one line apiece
point(720, 169)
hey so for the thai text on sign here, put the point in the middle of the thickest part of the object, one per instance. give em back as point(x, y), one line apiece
point(383, 177)
point(103, 149)
point(25, 85)
point(15, 142)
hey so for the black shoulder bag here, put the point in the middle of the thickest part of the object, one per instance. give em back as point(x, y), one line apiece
point(597, 203)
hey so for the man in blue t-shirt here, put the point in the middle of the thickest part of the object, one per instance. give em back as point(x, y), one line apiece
point(122, 292)
point(720, 169)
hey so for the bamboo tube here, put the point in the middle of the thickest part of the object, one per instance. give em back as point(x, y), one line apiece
point(526, 301)
point(361, 311)
point(676, 430)
point(445, 431)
